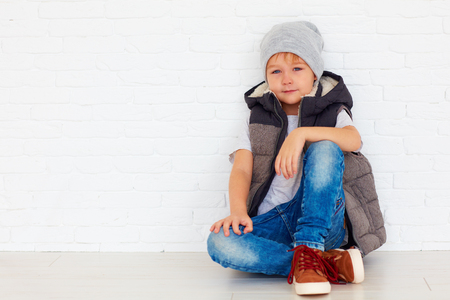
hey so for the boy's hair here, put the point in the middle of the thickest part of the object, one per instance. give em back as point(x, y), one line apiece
point(289, 57)
point(300, 38)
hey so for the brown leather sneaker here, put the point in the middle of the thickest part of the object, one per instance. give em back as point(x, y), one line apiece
point(310, 272)
point(349, 264)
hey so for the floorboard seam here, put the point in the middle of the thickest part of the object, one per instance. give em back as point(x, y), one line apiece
point(54, 261)
point(427, 283)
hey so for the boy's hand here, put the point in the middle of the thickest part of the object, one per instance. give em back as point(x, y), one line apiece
point(287, 159)
point(233, 220)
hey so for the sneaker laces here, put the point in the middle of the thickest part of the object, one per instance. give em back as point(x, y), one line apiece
point(307, 259)
point(332, 261)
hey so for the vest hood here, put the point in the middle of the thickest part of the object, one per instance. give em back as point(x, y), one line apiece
point(330, 90)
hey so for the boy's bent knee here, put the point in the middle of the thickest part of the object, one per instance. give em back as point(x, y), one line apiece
point(323, 164)
point(230, 250)
point(325, 151)
point(234, 251)
point(218, 242)
point(325, 146)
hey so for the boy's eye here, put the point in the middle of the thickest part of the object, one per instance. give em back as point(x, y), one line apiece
point(297, 69)
point(276, 72)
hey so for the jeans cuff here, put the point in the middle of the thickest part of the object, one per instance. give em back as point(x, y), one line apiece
point(310, 245)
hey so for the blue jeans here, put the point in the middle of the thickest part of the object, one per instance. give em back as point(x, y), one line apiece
point(314, 217)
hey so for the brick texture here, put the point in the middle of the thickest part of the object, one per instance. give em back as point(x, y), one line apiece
point(117, 116)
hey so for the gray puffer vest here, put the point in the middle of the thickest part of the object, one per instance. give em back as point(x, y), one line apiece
point(268, 128)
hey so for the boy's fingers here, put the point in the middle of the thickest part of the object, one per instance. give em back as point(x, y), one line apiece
point(277, 165)
point(248, 227)
point(216, 226)
point(283, 169)
point(289, 167)
point(235, 225)
point(226, 228)
point(213, 227)
point(295, 164)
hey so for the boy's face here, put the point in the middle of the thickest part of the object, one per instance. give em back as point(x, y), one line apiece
point(290, 80)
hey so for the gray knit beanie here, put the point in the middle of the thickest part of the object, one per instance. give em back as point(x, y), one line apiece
point(301, 38)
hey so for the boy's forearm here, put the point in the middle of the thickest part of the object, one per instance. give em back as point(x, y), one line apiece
point(347, 138)
point(239, 187)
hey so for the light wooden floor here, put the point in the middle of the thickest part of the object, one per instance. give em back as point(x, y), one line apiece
point(161, 276)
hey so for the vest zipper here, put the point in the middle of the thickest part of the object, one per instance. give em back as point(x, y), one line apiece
point(299, 124)
point(273, 159)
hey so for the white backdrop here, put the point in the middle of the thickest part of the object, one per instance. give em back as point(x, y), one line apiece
point(117, 117)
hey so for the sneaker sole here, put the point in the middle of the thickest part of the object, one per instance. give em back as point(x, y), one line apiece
point(358, 266)
point(312, 288)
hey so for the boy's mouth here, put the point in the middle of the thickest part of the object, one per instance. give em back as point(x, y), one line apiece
point(289, 91)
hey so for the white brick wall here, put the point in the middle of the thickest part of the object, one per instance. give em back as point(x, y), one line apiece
point(117, 116)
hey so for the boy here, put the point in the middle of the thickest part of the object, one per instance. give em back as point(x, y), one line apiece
point(286, 186)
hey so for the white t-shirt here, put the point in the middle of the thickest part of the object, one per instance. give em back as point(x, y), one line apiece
point(283, 190)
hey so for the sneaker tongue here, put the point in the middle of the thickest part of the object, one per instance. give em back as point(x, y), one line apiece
point(308, 261)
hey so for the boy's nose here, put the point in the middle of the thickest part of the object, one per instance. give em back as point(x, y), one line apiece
point(287, 79)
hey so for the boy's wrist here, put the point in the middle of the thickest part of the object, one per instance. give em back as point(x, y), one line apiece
point(238, 211)
point(303, 131)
